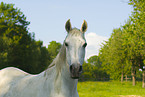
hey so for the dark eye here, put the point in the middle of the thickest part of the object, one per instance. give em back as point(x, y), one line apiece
point(85, 45)
point(66, 44)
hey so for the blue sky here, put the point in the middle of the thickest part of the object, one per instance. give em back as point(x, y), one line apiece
point(47, 17)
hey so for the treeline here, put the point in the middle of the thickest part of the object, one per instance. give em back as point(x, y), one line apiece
point(124, 52)
point(94, 71)
point(18, 47)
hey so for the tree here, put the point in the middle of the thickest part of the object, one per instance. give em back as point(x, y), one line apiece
point(114, 55)
point(87, 74)
point(18, 47)
point(138, 29)
point(125, 50)
point(53, 49)
point(13, 27)
point(93, 70)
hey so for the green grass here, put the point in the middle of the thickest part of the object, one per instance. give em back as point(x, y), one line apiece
point(110, 89)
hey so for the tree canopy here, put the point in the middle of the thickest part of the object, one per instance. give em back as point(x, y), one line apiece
point(124, 52)
point(18, 47)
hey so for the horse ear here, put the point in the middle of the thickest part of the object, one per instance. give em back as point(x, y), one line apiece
point(84, 27)
point(68, 26)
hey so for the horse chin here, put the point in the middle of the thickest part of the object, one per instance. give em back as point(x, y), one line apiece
point(75, 76)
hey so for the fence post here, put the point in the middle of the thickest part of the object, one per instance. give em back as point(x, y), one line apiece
point(143, 78)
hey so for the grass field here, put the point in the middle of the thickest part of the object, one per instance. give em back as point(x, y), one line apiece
point(110, 89)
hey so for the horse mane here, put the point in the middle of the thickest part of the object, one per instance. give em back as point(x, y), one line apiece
point(61, 56)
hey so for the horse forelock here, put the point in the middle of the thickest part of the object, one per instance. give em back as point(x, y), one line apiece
point(75, 32)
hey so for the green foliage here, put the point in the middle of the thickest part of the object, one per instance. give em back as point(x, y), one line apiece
point(124, 52)
point(53, 49)
point(114, 55)
point(18, 47)
point(87, 72)
point(93, 70)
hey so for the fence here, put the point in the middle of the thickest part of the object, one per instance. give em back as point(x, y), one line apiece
point(94, 79)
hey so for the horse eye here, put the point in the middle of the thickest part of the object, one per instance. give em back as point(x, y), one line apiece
point(66, 44)
point(85, 45)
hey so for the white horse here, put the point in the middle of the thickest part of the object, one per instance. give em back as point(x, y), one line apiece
point(61, 77)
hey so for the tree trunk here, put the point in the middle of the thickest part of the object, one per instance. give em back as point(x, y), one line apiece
point(143, 79)
point(122, 77)
point(133, 78)
point(133, 75)
point(126, 78)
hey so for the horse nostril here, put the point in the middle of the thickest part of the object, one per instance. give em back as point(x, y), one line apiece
point(70, 68)
point(74, 69)
point(80, 69)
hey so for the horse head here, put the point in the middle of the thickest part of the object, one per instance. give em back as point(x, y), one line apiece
point(75, 44)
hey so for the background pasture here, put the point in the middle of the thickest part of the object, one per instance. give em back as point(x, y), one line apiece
point(110, 89)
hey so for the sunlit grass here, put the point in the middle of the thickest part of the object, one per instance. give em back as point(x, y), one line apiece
point(110, 89)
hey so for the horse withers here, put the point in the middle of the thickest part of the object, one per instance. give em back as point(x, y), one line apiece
point(58, 80)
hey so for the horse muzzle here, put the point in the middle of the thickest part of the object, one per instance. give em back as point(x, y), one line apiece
point(75, 70)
